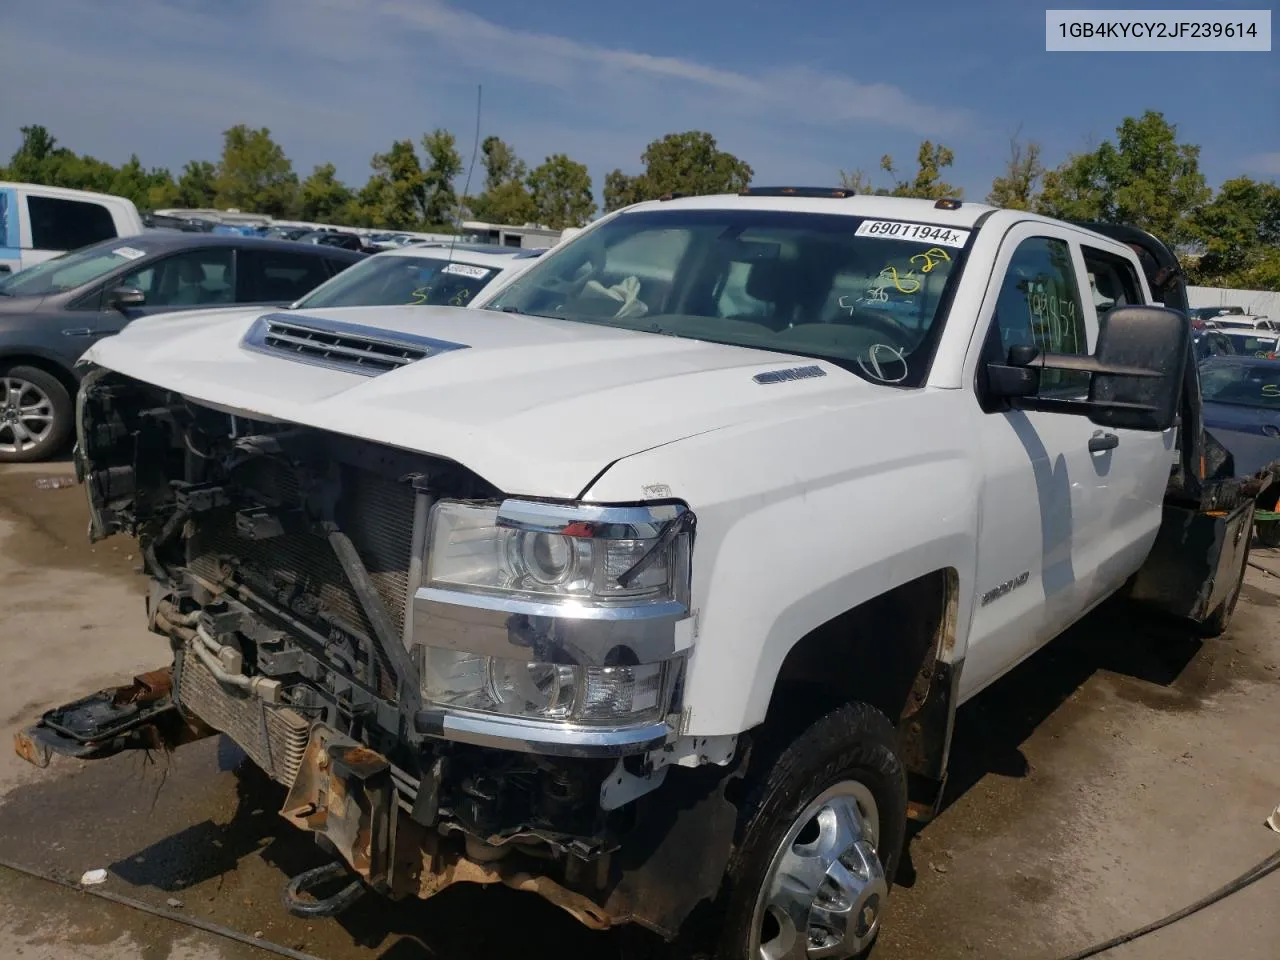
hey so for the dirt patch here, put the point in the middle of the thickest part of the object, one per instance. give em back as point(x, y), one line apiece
point(51, 528)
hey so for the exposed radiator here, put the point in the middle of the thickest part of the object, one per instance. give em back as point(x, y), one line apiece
point(274, 737)
point(377, 514)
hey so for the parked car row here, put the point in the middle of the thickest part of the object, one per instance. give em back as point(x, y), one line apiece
point(52, 312)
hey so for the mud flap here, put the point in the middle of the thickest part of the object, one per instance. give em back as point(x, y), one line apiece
point(1192, 567)
point(138, 716)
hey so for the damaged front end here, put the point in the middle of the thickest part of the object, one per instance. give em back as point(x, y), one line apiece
point(452, 685)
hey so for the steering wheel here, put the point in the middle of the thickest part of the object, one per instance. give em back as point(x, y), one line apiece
point(882, 324)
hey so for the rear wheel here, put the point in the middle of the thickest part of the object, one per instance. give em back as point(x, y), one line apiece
point(35, 414)
point(822, 831)
point(1269, 533)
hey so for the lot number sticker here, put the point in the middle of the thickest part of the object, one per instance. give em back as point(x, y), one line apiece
point(129, 253)
point(922, 232)
point(465, 270)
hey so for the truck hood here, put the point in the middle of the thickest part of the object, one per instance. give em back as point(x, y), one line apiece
point(533, 405)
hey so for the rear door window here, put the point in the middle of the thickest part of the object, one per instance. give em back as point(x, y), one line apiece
point(60, 224)
point(270, 275)
point(202, 277)
point(1113, 282)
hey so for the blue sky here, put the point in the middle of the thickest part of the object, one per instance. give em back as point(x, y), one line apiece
point(800, 89)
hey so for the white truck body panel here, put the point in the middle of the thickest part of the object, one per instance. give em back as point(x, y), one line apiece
point(812, 496)
point(20, 247)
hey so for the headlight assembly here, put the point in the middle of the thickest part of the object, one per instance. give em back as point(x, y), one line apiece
point(581, 554)
point(575, 614)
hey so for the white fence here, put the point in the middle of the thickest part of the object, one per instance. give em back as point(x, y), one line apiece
point(1258, 302)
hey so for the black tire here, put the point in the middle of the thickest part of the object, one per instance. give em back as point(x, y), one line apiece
point(61, 406)
point(1269, 533)
point(852, 743)
point(1217, 622)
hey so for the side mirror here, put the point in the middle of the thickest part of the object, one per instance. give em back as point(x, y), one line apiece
point(1155, 339)
point(120, 297)
point(1135, 375)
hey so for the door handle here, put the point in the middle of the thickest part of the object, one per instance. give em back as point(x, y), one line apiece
point(78, 332)
point(1103, 441)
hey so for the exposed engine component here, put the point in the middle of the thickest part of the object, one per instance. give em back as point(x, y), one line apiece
point(284, 562)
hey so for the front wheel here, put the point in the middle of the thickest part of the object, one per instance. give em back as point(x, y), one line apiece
point(36, 414)
point(823, 828)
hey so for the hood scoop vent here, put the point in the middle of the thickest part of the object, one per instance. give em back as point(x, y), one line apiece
point(366, 351)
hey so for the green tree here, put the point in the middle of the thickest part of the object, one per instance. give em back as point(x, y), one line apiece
point(689, 163)
point(395, 195)
point(148, 189)
point(621, 190)
point(32, 161)
point(322, 196)
point(39, 159)
point(1239, 233)
point(440, 200)
point(254, 174)
point(561, 190)
point(505, 198)
point(1146, 178)
point(509, 203)
point(197, 185)
point(501, 165)
point(1016, 187)
point(931, 160)
point(860, 183)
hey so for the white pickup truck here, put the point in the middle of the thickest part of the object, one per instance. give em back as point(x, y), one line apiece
point(658, 582)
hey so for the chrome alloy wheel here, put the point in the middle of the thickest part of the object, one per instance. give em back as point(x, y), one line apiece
point(26, 415)
point(825, 888)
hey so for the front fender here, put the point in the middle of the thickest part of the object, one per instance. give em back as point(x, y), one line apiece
point(802, 520)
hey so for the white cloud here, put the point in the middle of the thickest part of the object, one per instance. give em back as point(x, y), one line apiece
point(339, 79)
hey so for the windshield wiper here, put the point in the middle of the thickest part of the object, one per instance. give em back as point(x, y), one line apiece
point(526, 313)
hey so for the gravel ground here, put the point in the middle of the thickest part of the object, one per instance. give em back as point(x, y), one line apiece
point(1122, 772)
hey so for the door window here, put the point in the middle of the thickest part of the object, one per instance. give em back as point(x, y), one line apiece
point(58, 224)
point(1112, 281)
point(268, 275)
point(194, 278)
point(1039, 306)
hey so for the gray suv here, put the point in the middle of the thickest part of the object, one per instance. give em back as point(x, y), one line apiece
point(52, 312)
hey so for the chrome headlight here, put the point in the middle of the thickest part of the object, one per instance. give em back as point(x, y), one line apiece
point(574, 613)
point(580, 554)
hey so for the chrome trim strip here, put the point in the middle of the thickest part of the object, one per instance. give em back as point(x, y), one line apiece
point(661, 610)
point(548, 639)
point(542, 737)
point(555, 517)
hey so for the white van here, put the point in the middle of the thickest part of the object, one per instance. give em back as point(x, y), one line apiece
point(37, 223)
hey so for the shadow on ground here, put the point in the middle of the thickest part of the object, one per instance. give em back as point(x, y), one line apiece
point(211, 837)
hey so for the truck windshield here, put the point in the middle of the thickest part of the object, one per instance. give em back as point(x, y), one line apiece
point(69, 270)
point(867, 295)
point(391, 280)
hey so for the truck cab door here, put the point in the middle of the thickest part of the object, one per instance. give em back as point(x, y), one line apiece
point(1141, 461)
point(1042, 509)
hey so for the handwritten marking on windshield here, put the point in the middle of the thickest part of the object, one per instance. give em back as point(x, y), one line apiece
point(931, 258)
point(873, 365)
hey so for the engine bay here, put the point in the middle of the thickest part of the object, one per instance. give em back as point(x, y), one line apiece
point(282, 562)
